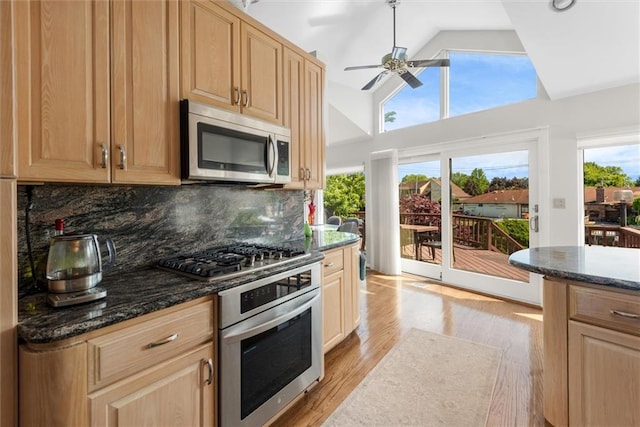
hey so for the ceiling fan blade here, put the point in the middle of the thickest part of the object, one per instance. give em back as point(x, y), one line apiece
point(362, 67)
point(398, 52)
point(428, 63)
point(411, 79)
point(374, 81)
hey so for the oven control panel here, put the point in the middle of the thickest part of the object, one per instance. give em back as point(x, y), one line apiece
point(265, 294)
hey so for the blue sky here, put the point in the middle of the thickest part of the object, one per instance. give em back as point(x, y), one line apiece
point(625, 156)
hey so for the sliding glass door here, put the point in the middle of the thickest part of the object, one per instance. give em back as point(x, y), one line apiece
point(464, 211)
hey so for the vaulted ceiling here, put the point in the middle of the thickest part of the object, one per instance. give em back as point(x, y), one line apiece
point(593, 45)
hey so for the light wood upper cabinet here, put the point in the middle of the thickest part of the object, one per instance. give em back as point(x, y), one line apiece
point(145, 92)
point(314, 142)
point(62, 89)
point(88, 113)
point(293, 71)
point(229, 63)
point(261, 68)
point(303, 113)
point(210, 64)
point(7, 136)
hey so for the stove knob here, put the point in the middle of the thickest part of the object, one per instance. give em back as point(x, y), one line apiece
point(278, 255)
point(251, 260)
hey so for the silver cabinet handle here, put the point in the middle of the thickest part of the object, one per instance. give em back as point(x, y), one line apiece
point(237, 100)
point(123, 157)
point(329, 265)
point(245, 94)
point(167, 340)
point(625, 314)
point(209, 364)
point(105, 156)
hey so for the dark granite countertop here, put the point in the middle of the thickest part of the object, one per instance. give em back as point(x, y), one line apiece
point(600, 265)
point(139, 292)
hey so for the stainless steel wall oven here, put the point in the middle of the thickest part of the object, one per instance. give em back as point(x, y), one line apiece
point(270, 344)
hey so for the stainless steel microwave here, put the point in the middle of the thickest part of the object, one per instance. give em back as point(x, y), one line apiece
point(223, 145)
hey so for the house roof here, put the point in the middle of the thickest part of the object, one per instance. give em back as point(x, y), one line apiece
point(590, 194)
point(520, 197)
point(424, 187)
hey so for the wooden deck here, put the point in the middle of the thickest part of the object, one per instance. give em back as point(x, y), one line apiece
point(475, 260)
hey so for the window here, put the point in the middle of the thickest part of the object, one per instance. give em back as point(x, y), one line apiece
point(475, 81)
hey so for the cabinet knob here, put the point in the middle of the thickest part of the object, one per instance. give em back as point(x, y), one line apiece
point(105, 156)
point(123, 157)
point(329, 264)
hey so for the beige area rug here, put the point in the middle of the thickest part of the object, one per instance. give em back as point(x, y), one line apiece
point(427, 379)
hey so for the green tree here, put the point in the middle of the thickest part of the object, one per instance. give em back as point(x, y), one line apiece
point(460, 179)
point(414, 177)
point(477, 183)
point(390, 117)
point(609, 176)
point(344, 194)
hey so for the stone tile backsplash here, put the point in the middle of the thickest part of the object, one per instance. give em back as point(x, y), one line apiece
point(147, 222)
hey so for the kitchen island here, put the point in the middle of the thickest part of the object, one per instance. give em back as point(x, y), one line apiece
point(152, 341)
point(591, 303)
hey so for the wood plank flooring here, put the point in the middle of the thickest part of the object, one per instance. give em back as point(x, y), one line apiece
point(392, 305)
point(476, 260)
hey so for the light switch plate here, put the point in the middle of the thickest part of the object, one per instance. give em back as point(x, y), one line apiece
point(559, 203)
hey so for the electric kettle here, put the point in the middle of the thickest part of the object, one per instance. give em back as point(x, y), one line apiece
point(75, 263)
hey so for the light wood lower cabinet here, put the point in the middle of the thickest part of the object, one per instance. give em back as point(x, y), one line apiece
point(340, 294)
point(170, 394)
point(591, 355)
point(158, 370)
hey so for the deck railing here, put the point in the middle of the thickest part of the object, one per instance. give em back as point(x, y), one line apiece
point(471, 231)
point(607, 235)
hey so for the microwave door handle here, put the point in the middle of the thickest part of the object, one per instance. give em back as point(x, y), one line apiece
point(272, 156)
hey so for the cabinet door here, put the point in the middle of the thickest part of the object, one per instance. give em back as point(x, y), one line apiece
point(7, 135)
point(333, 291)
point(145, 92)
point(604, 377)
point(210, 61)
point(62, 90)
point(293, 95)
point(314, 125)
point(261, 76)
point(174, 393)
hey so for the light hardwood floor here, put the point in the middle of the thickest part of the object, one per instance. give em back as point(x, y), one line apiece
point(392, 305)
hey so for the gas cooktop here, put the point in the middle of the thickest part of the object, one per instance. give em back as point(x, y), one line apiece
point(224, 262)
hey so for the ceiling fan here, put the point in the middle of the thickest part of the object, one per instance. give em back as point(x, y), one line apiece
point(396, 61)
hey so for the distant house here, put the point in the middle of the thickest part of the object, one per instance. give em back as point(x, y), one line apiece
point(432, 189)
point(600, 206)
point(498, 204)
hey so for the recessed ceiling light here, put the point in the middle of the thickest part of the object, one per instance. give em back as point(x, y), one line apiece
point(562, 5)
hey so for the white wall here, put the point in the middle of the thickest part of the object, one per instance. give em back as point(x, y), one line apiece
point(606, 110)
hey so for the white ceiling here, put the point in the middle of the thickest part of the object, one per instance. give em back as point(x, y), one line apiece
point(593, 45)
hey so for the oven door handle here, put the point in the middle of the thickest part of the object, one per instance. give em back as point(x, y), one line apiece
point(271, 323)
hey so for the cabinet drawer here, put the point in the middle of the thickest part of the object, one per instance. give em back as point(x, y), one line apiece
point(333, 261)
point(614, 310)
point(121, 353)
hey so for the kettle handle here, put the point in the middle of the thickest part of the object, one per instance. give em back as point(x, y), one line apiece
point(112, 252)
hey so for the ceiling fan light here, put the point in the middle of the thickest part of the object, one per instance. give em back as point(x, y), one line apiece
point(562, 5)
